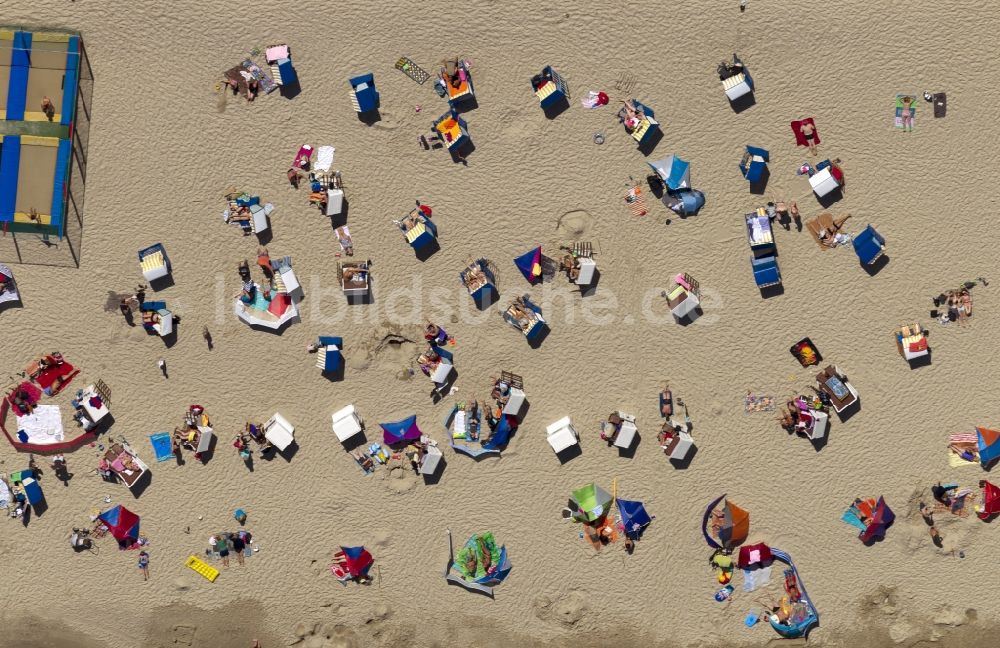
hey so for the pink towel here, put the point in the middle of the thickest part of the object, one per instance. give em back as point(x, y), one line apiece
point(276, 53)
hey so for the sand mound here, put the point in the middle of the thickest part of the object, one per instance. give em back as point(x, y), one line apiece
point(575, 224)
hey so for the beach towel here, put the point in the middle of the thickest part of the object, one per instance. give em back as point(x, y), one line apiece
point(940, 105)
point(47, 378)
point(800, 139)
point(43, 425)
point(636, 201)
point(757, 403)
point(344, 237)
point(412, 70)
point(967, 441)
point(755, 578)
point(163, 448)
point(324, 158)
point(267, 84)
point(899, 110)
point(594, 99)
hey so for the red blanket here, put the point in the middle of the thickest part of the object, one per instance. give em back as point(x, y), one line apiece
point(800, 139)
point(48, 377)
point(33, 394)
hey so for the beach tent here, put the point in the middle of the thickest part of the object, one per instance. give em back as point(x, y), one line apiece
point(868, 245)
point(732, 528)
point(530, 265)
point(356, 563)
point(991, 501)
point(480, 564)
point(759, 233)
point(881, 519)
point(635, 519)
point(423, 233)
point(827, 178)
point(122, 523)
point(328, 356)
point(457, 80)
point(590, 503)
point(753, 165)
point(684, 202)
point(644, 131)
point(400, 431)
point(736, 79)
point(549, 87)
point(364, 96)
point(673, 171)
point(988, 445)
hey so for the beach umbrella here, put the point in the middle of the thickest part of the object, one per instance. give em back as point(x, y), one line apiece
point(882, 518)
point(405, 430)
point(988, 445)
point(357, 561)
point(674, 172)
point(530, 265)
point(991, 501)
point(122, 523)
point(591, 502)
point(635, 519)
point(733, 527)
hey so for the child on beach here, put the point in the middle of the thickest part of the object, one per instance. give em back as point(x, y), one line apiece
point(144, 565)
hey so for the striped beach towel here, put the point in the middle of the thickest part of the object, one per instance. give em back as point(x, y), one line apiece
point(964, 441)
point(636, 201)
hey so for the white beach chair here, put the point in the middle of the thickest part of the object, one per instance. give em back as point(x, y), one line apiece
point(561, 435)
point(279, 432)
point(346, 423)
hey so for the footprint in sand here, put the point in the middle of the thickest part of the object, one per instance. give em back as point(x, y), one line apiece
point(575, 224)
point(567, 610)
point(388, 121)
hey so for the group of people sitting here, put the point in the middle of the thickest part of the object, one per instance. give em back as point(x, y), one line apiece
point(252, 433)
point(953, 306)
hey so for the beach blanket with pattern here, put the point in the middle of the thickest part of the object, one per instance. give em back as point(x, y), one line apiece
point(757, 403)
point(471, 560)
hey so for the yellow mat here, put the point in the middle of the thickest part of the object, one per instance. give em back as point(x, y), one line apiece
point(210, 573)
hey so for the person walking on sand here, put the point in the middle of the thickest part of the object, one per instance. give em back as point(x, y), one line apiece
point(162, 364)
point(144, 565)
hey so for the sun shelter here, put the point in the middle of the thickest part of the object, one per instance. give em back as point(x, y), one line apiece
point(634, 517)
point(122, 523)
point(328, 354)
point(684, 202)
point(154, 262)
point(726, 526)
point(269, 306)
point(347, 423)
point(481, 282)
point(988, 445)
point(351, 563)
point(401, 431)
point(911, 341)
point(465, 433)
point(639, 122)
point(835, 385)
point(526, 316)
point(827, 178)
point(279, 432)
point(456, 80)
point(685, 297)
point(868, 245)
point(364, 96)
point(354, 278)
point(480, 564)
point(736, 79)
point(561, 435)
point(530, 265)
point(8, 287)
point(753, 164)
point(549, 87)
point(452, 129)
point(802, 615)
point(991, 501)
point(673, 171)
point(156, 319)
point(418, 228)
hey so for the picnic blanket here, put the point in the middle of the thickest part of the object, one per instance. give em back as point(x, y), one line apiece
point(324, 158)
point(412, 70)
point(898, 122)
point(757, 403)
point(800, 139)
point(267, 84)
point(43, 425)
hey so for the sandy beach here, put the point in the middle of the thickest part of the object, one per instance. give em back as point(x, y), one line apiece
point(165, 144)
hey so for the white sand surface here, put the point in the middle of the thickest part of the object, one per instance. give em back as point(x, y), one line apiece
point(164, 145)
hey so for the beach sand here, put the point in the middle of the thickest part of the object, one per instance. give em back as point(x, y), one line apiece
point(165, 144)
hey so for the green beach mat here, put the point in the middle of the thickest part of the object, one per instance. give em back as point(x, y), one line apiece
point(900, 108)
